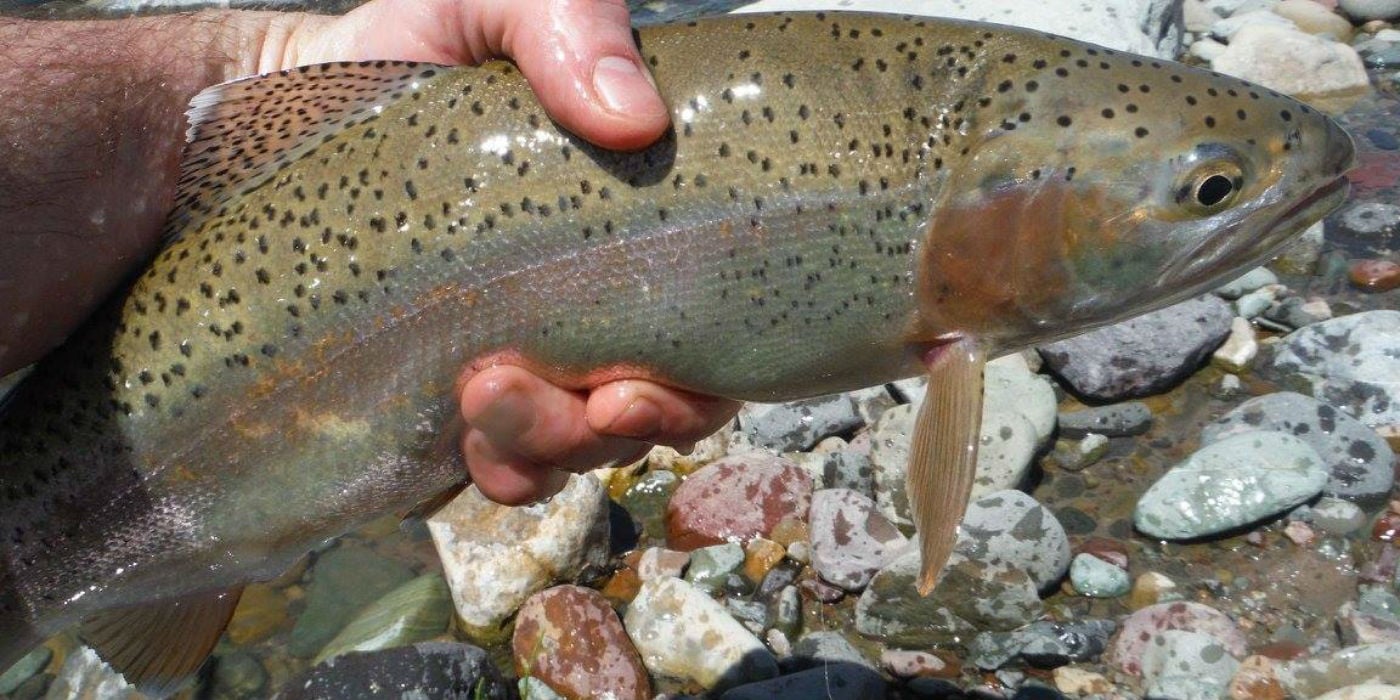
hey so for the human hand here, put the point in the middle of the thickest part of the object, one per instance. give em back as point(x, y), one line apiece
point(524, 433)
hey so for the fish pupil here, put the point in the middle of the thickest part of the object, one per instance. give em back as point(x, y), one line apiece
point(1214, 190)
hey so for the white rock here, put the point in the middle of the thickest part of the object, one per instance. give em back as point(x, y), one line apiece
point(1187, 665)
point(1238, 350)
point(683, 633)
point(1207, 49)
point(494, 556)
point(1366, 10)
point(85, 675)
point(1227, 28)
point(1388, 35)
point(1366, 691)
point(1372, 217)
point(1149, 27)
point(1257, 278)
point(1294, 63)
point(1313, 18)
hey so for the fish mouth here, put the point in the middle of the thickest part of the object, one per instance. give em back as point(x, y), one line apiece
point(1316, 205)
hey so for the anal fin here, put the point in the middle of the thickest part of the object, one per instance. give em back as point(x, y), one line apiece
point(943, 452)
point(158, 646)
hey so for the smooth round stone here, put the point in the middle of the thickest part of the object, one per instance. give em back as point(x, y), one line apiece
point(1009, 530)
point(1374, 275)
point(646, 500)
point(1376, 218)
point(1042, 644)
point(448, 670)
point(1352, 362)
point(1290, 61)
point(1239, 480)
point(1367, 10)
point(850, 539)
point(343, 581)
point(1143, 355)
point(571, 639)
point(711, 566)
point(798, 425)
point(417, 611)
point(1248, 282)
point(736, 499)
point(1142, 629)
point(683, 633)
point(1013, 388)
point(1188, 665)
point(1359, 462)
point(239, 675)
point(495, 557)
point(1097, 578)
point(1239, 349)
point(1338, 517)
point(1114, 420)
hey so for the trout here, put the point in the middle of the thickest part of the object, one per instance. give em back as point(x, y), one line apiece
point(844, 200)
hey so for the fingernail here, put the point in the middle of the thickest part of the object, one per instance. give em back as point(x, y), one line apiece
point(624, 87)
point(641, 419)
point(510, 414)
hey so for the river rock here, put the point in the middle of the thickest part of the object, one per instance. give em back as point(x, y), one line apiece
point(1293, 62)
point(798, 425)
point(1042, 644)
point(1151, 27)
point(1143, 629)
point(1096, 578)
point(1369, 663)
point(1114, 420)
point(837, 681)
point(1009, 530)
point(85, 675)
point(1143, 355)
point(683, 633)
point(1186, 665)
point(711, 566)
point(570, 638)
point(417, 611)
point(834, 464)
point(1246, 283)
point(1352, 362)
point(1360, 463)
point(1367, 10)
point(24, 669)
point(1363, 691)
point(237, 675)
point(343, 581)
point(1313, 18)
point(1239, 480)
point(646, 499)
point(736, 499)
point(850, 539)
point(446, 670)
point(817, 649)
point(494, 557)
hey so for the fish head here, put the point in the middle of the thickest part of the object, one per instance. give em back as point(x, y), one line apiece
point(1070, 205)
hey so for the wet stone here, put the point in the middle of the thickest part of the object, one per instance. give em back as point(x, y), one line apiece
point(838, 681)
point(1371, 218)
point(785, 611)
point(646, 500)
point(1246, 283)
point(1187, 665)
point(238, 675)
point(1292, 313)
point(1359, 462)
point(778, 578)
point(850, 540)
point(1097, 578)
point(1337, 517)
point(840, 469)
point(1374, 275)
point(343, 581)
point(682, 633)
point(1368, 663)
point(1009, 530)
point(1238, 480)
point(24, 669)
point(1114, 420)
point(1143, 355)
point(798, 425)
point(447, 670)
point(902, 663)
point(416, 611)
point(1042, 644)
point(1142, 629)
point(736, 499)
point(710, 566)
point(817, 649)
point(1352, 362)
point(570, 638)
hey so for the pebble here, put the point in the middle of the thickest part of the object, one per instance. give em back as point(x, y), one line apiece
point(798, 425)
point(495, 557)
point(1366, 10)
point(343, 581)
point(1371, 218)
point(1143, 355)
point(1113, 420)
point(839, 681)
point(1359, 462)
point(656, 562)
point(851, 540)
point(1374, 275)
point(1142, 629)
point(238, 674)
point(710, 566)
point(1248, 282)
point(646, 499)
point(1358, 626)
point(760, 556)
point(1313, 676)
point(1096, 578)
point(1077, 455)
point(447, 670)
point(816, 649)
point(1315, 19)
point(1238, 480)
point(736, 498)
point(1337, 517)
point(838, 467)
point(1240, 348)
point(1186, 665)
point(1042, 644)
point(683, 633)
point(416, 611)
point(1292, 313)
point(1352, 362)
point(1077, 682)
point(902, 663)
point(971, 596)
point(1011, 531)
point(1293, 62)
point(571, 639)
point(1255, 303)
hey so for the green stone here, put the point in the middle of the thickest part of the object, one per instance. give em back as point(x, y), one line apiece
point(417, 611)
point(343, 581)
point(25, 668)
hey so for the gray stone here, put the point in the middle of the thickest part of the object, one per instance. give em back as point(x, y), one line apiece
point(1143, 355)
point(834, 465)
point(1367, 10)
point(1097, 578)
point(683, 633)
point(1292, 313)
point(1114, 420)
point(1337, 517)
point(416, 611)
point(711, 566)
point(343, 581)
point(798, 425)
point(25, 668)
point(1360, 463)
point(1042, 644)
point(850, 539)
point(1248, 282)
point(1187, 665)
point(446, 670)
point(1372, 218)
point(1367, 663)
point(1352, 362)
point(1239, 480)
point(1009, 530)
point(838, 681)
point(238, 674)
point(817, 649)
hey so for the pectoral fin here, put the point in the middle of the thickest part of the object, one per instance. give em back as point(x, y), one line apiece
point(158, 646)
point(943, 453)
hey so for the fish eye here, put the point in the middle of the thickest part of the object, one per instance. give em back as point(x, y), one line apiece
point(1210, 187)
point(1214, 189)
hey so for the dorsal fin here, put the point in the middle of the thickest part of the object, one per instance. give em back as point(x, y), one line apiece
point(241, 133)
point(158, 646)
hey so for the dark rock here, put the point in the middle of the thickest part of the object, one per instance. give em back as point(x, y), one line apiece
point(445, 670)
point(1113, 420)
point(837, 681)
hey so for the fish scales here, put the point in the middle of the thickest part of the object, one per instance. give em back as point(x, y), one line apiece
point(838, 194)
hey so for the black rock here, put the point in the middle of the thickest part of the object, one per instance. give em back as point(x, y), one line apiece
point(428, 669)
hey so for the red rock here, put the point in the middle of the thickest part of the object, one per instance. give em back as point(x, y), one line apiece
point(1140, 628)
point(1387, 527)
point(1282, 650)
point(1111, 551)
point(570, 638)
point(1374, 275)
point(736, 499)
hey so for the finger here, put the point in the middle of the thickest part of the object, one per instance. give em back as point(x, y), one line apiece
point(655, 413)
point(505, 479)
point(529, 419)
point(578, 55)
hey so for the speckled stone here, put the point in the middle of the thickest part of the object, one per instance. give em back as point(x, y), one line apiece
point(1241, 479)
point(1141, 630)
point(1359, 462)
point(736, 499)
point(798, 425)
point(710, 566)
point(1352, 362)
point(1042, 644)
point(850, 540)
point(1114, 420)
point(683, 633)
point(1097, 578)
point(1009, 530)
point(570, 638)
point(1187, 665)
point(817, 649)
